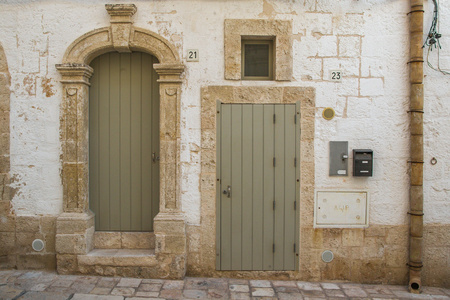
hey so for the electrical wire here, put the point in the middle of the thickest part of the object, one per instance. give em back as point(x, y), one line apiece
point(433, 40)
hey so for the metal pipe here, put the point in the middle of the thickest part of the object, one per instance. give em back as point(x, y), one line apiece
point(416, 156)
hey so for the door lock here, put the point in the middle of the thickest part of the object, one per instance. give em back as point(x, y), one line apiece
point(227, 191)
point(154, 157)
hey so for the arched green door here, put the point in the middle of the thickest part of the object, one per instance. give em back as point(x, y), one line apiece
point(124, 142)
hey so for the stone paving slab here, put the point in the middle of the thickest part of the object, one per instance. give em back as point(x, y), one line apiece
point(41, 285)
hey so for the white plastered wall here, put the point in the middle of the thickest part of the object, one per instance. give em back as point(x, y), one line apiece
point(367, 40)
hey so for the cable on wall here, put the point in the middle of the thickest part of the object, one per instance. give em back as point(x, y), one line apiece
point(432, 40)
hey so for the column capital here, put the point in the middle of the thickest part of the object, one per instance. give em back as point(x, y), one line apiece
point(75, 73)
point(169, 73)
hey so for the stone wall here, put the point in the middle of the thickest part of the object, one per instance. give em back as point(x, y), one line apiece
point(367, 40)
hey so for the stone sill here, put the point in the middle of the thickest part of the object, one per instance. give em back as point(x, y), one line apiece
point(119, 258)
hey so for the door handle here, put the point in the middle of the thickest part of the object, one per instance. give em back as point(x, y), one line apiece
point(227, 191)
point(154, 157)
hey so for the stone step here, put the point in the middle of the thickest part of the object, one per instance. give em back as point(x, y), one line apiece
point(124, 240)
point(119, 258)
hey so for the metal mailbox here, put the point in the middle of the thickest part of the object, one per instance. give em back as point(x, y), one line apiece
point(362, 162)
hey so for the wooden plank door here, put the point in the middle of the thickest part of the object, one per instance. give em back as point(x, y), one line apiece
point(257, 191)
point(124, 142)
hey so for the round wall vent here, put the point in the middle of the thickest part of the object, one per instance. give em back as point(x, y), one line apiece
point(327, 256)
point(328, 113)
point(38, 245)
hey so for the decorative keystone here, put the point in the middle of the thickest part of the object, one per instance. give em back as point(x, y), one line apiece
point(121, 25)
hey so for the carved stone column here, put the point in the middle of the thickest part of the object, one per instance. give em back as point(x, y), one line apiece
point(75, 226)
point(169, 224)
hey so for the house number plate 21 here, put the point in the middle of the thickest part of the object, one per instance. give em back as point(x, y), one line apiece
point(192, 55)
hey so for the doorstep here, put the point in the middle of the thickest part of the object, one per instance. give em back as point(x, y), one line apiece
point(119, 258)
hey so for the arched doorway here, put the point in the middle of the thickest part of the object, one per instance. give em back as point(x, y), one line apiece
point(76, 225)
point(124, 142)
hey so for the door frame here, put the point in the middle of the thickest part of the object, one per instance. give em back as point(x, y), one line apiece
point(207, 253)
point(219, 189)
point(169, 224)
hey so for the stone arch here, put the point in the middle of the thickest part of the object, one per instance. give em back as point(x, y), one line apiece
point(6, 215)
point(169, 224)
point(99, 41)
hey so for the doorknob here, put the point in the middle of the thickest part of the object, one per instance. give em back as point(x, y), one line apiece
point(227, 191)
point(154, 157)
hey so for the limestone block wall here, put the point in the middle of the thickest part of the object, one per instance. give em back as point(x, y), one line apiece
point(367, 40)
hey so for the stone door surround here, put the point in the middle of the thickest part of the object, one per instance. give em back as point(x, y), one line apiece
point(75, 226)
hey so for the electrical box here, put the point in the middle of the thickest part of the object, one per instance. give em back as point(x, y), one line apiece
point(338, 158)
point(341, 209)
point(362, 162)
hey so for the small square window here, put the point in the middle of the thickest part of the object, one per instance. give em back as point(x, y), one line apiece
point(257, 59)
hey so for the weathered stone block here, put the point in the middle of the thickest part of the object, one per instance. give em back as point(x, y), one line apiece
point(37, 261)
point(50, 243)
point(107, 240)
point(173, 244)
point(332, 237)
point(208, 181)
point(4, 143)
point(208, 161)
point(8, 261)
point(74, 223)
point(137, 240)
point(311, 238)
point(48, 225)
point(396, 257)
point(338, 269)
point(209, 139)
point(258, 94)
point(368, 271)
point(5, 164)
point(8, 243)
point(71, 244)
point(208, 204)
point(27, 224)
point(24, 241)
point(349, 46)
point(352, 237)
point(374, 230)
point(66, 264)
point(437, 235)
point(397, 235)
point(373, 247)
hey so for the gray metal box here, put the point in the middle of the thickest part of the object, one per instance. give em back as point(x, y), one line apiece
point(338, 158)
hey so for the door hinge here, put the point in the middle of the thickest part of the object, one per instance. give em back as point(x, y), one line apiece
point(295, 205)
point(273, 248)
point(273, 204)
point(295, 248)
point(295, 162)
point(274, 161)
point(274, 118)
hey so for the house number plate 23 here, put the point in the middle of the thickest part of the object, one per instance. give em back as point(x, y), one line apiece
point(336, 75)
point(192, 55)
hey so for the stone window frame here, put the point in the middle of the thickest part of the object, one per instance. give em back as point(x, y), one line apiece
point(75, 226)
point(235, 30)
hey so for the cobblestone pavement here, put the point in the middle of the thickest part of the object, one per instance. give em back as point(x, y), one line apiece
point(48, 285)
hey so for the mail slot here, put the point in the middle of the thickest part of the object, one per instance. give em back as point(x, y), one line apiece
point(362, 162)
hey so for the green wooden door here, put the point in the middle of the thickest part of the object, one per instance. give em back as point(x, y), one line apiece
point(124, 142)
point(258, 147)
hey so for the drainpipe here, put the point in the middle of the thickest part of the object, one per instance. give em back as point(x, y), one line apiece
point(416, 159)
